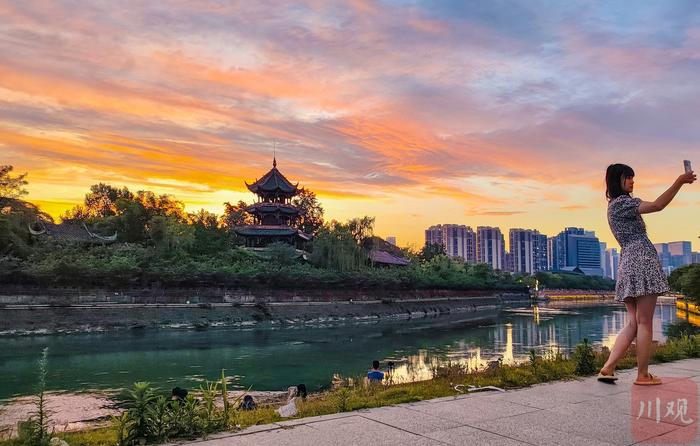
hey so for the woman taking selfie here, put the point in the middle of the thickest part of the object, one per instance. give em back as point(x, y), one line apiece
point(640, 277)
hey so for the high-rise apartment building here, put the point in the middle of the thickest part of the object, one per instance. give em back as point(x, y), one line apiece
point(680, 248)
point(508, 263)
point(551, 253)
point(576, 247)
point(612, 262)
point(674, 254)
point(521, 250)
point(458, 240)
point(664, 255)
point(539, 252)
point(490, 247)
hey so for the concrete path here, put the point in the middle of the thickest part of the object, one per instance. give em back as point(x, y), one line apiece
point(582, 412)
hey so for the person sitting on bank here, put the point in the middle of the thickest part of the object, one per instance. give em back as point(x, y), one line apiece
point(375, 375)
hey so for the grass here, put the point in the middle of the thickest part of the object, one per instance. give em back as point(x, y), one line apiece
point(348, 398)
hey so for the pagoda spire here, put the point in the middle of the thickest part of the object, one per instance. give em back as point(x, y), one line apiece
point(274, 154)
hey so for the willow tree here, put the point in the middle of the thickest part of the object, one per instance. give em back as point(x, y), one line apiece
point(336, 247)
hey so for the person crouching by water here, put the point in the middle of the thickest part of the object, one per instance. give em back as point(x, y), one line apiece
point(640, 277)
point(375, 375)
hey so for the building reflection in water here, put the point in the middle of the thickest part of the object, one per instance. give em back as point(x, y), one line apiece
point(612, 324)
point(512, 340)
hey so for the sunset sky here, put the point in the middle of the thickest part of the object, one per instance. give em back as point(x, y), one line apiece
point(418, 113)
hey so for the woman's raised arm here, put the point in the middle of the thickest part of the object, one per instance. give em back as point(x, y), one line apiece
point(647, 207)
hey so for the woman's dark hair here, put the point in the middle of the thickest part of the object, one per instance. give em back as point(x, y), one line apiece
point(613, 180)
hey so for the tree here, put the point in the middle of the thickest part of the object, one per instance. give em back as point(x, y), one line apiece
point(11, 187)
point(431, 250)
point(687, 280)
point(100, 202)
point(335, 247)
point(131, 222)
point(311, 211)
point(235, 215)
point(204, 219)
point(282, 254)
point(361, 228)
point(209, 238)
point(16, 215)
point(168, 234)
point(164, 205)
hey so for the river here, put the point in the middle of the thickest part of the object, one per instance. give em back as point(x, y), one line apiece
point(273, 358)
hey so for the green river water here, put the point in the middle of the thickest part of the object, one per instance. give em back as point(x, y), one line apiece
point(273, 358)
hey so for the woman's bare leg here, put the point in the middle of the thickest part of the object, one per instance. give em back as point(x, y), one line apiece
point(645, 317)
point(623, 339)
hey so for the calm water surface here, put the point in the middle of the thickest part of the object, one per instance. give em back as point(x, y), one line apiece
point(275, 358)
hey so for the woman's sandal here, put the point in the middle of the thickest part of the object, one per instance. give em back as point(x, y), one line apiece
point(652, 381)
point(607, 378)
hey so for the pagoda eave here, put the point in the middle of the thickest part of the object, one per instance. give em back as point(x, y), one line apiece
point(271, 231)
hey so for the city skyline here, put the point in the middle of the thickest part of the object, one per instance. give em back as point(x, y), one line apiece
point(528, 251)
point(416, 113)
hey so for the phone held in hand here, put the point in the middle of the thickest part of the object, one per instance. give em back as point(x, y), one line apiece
point(686, 164)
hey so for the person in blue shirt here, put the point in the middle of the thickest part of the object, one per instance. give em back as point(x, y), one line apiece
point(375, 375)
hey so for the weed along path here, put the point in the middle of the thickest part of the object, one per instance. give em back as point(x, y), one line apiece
point(577, 412)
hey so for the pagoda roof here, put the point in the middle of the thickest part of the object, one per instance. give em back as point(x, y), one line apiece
point(70, 231)
point(273, 181)
point(272, 207)
point(270, 231)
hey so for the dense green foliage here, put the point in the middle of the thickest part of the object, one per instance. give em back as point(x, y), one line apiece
point(686, 280)
point(125, 265)
point(159, 244)
point(573, 281)
point(681, 329)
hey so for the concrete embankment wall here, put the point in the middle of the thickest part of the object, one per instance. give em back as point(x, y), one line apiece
point(23, 295)
point(97, 311)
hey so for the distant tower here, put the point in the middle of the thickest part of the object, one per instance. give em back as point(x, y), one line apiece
point(490, 247)
point(458, 240)
point(391, 239)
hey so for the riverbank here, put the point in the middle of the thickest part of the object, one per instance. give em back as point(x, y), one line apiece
point(41, 314)
point(72, 412)
point(579, 412)
point(354, 400)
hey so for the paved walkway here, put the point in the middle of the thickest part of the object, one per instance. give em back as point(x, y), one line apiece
point(582, 412)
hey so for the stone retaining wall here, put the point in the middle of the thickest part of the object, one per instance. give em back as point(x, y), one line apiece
point(79, 318)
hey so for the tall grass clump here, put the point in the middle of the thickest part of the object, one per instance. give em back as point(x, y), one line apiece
point(35, 431)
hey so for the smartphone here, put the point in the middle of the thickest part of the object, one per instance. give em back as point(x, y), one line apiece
point(686, 164)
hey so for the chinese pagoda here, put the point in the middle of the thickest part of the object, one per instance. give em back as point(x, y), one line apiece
point(275, 218)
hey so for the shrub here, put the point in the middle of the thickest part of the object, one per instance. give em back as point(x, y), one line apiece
point(139, 401)
point(681, 329)
point(585, 358)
